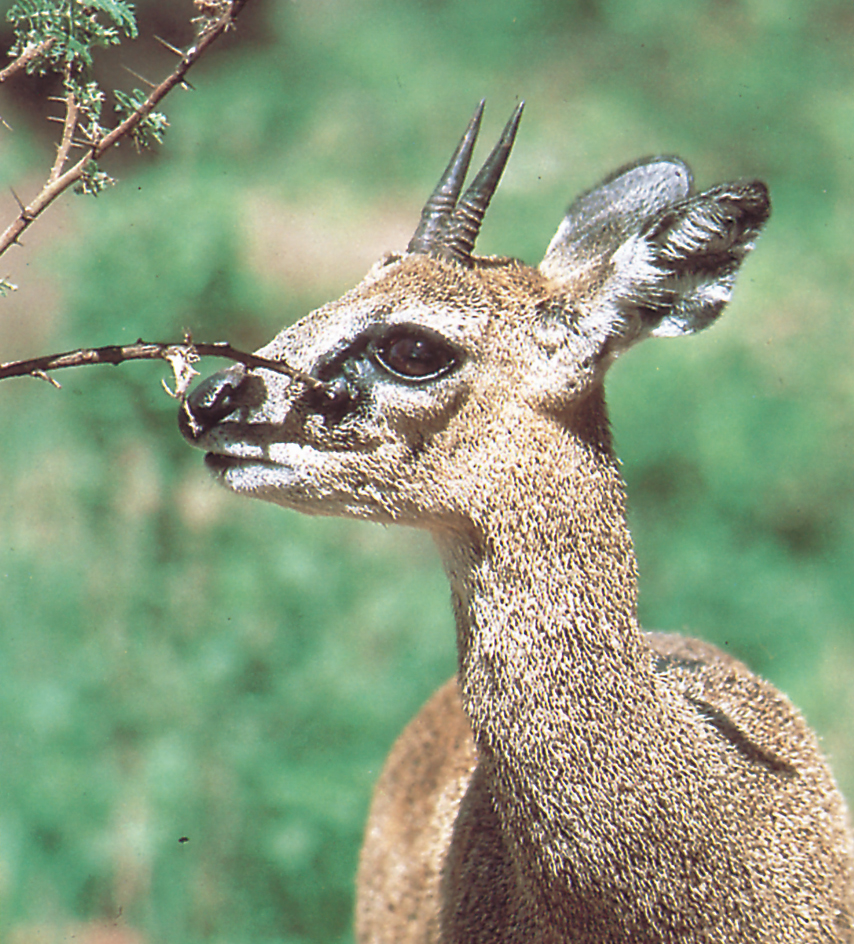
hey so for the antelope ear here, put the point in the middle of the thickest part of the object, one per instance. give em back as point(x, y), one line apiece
point(641, 255)
point(599, 221)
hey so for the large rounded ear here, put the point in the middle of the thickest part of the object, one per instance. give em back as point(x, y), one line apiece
point(641, 255)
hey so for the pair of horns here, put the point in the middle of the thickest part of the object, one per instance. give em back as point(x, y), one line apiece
point(450, 224)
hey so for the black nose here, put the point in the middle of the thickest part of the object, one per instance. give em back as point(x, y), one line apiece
point(214, 399)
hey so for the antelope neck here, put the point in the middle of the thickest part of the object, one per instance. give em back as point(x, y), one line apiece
point(545, 596)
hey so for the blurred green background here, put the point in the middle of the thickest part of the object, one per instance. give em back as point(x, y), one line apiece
point(178, 662)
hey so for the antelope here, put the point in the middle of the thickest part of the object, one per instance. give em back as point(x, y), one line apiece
point(578, 780)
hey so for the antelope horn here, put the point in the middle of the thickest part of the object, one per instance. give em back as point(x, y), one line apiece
point(437, 210)
point(461, 232)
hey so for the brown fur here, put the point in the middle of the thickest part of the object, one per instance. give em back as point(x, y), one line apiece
point(580, 781)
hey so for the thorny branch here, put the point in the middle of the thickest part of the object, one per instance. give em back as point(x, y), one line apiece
point(59, 180)
point(180, 357)
point(27, 56)
point(72, 115)
point(142, 125)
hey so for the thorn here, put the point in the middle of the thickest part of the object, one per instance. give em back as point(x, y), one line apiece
point(41, 375)
point(172, 393)
point(54, 118)
point(21, 206)
point(169, 46)
point(181, 361)
point(6, 124)
point(88, 141)
point(141, 78)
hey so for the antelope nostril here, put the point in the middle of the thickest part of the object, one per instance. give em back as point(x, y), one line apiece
point(211, 402)
point(333, 400)
point(333, 394)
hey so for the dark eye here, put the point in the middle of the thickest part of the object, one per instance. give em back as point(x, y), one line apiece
point(415, 355)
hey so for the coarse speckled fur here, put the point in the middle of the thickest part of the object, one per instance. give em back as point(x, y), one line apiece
point(579, 781)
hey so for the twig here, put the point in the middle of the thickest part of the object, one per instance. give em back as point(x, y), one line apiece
point(96, 151)
point(27, 56)
point(179, 356)
point(69, 126)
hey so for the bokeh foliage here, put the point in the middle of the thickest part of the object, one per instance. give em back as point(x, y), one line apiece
point(176, 662)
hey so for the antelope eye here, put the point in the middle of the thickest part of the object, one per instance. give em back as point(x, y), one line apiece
point(415, 355)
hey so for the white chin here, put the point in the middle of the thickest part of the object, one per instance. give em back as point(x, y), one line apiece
point(249, 477)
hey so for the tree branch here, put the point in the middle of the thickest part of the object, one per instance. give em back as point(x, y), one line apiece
point(69, 126)
point(62, 181)
point(27, 56)
point(179, 356)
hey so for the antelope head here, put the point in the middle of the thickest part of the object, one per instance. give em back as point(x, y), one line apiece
point(431, 373)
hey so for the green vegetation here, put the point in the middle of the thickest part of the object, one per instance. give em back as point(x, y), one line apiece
point(176, 662)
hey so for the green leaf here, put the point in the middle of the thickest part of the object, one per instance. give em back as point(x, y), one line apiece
point(151, 129)
point(121, 13)
point(93, 181)
point(72, 28)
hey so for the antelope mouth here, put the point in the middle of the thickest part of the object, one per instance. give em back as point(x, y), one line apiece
point(254, 475)
point(222, 462)
point(245, 468)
